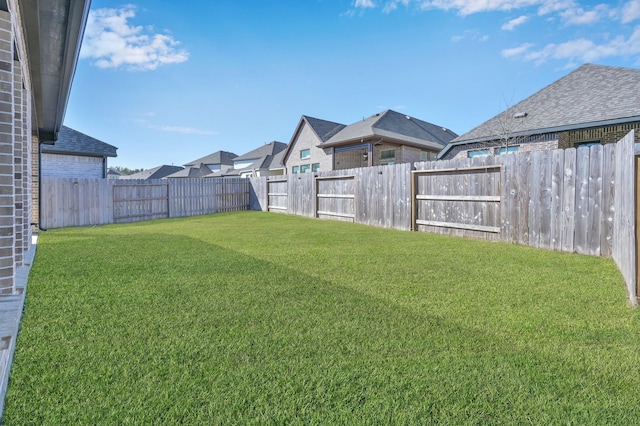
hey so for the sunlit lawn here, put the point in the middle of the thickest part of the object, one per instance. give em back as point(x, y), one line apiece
point(261, 318)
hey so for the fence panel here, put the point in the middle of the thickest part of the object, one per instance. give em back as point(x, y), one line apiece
point(258, 198)
point(456, 200)
point(231, 195)
point(140, 200)
point(191, 197)
point(277, 195)
point(336, 198)
point(300, 194)
point(75, 202)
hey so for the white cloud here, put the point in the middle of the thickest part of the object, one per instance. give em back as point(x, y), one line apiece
point(365, 4)
point(509, 26)
point(185, 130)
point(578, 16)
point(516, 51)
point(630, 11)
point(579, 50)
point(112, 42)
point(468, 7)
point(392, 5)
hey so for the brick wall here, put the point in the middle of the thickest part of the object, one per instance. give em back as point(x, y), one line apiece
point(605, 134)
point(71, 166)
point(532, 143)
point(563, 140)
point(18, 154)
point(7, 190)
point(351, 159)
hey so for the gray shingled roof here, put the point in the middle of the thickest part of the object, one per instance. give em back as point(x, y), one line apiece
point(218, 157)
point(154, 173)
point(393, 126)
point(199, 171)
point(591, 95)
point(275, 161)
point(323, 128)
point(268, 149)
point(76, 143)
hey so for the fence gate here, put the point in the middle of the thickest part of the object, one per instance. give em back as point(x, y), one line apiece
point(277, 196)
point(336, 198)
point(138, 202)
point(464, 201)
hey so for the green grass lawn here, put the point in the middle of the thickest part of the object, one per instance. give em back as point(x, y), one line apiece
point(259, 318)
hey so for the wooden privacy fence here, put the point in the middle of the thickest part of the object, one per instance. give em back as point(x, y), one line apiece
point(336, 197)
point(457, 199)
point(83, 202)
point(575, 200)
point(378, 196)
point(140, 201)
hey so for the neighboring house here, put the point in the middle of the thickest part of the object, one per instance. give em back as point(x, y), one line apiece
point(154, 173)
point(219, 160)
point(113, 174)
point(593, 104)
point(192, 172)
point(384, 138)
point(263, 161)
point(75, 155)
point(303, 153)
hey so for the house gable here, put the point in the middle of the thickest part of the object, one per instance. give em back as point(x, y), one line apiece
point(303, 151)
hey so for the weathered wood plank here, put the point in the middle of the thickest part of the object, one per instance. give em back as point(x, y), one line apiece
point(582, 200)
point(594, 208)
point(608, 199)
point(569, 201)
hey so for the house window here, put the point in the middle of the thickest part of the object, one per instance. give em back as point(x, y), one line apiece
point(295, 170)
point(587, 143)
point(387, 153)
point(315, 167)
point(305, 168)
point(305, 154)
point(478, 153)
point(507, 150)
point(427, 156)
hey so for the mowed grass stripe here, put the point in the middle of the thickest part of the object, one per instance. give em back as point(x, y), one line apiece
point(258, 318)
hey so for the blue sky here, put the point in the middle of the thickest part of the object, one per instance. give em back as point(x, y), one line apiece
point(170, 82)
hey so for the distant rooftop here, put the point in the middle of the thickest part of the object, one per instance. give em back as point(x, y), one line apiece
point(155, 173)
point(218, 157)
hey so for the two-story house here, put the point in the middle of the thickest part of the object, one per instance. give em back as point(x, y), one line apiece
point(384, 138)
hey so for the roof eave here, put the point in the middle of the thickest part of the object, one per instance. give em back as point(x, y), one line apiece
point(53, 35)
point(81, 154)
point(408, 142)
point(533, 132)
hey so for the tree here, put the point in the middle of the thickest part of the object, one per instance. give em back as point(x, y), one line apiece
point(508, 127)
point(126, 170)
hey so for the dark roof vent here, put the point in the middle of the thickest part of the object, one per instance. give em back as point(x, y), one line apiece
point(520, 115)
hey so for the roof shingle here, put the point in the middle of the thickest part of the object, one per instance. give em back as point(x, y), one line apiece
point(73, 142)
